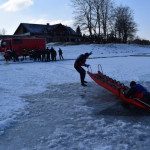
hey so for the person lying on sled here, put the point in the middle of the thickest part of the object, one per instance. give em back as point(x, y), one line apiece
point(139, 92)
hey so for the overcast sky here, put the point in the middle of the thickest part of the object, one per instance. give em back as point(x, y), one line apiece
point(14, 12)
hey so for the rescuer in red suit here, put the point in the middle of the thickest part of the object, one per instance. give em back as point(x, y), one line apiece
point(80, 61)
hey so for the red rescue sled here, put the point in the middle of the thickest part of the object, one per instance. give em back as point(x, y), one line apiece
point(116, 88)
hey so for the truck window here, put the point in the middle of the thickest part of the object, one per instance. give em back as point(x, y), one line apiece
point(17, 41)
point(3, 43)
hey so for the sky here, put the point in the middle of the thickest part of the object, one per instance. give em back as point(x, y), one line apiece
point(14, 12)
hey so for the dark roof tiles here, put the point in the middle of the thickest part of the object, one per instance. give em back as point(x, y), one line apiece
point(40, 28)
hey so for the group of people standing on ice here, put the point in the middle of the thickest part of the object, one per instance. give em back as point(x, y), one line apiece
point(46, 55)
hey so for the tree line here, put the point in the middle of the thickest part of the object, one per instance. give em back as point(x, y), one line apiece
point(103, 21)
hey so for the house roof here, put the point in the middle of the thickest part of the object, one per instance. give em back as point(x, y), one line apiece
point(40, 28)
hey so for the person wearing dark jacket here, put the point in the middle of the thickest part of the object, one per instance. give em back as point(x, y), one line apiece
point(80, 61)
point(138, 91)
point(60, 54)
point(53, 54)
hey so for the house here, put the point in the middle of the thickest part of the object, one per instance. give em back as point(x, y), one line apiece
point(52, 33)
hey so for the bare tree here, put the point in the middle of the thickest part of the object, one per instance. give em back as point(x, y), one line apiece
point(107, 8)
point(101, 19)
point(83, 11)
point(97, 4)
point(2, 31)
point(124, 23)
point(103, 12)
point(93, 15)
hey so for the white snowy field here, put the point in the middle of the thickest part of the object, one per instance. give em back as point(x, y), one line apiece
point(85, 131)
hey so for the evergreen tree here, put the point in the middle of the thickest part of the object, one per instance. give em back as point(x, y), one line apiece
point(78, 31)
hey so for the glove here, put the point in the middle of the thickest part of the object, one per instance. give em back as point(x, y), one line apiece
point(86, 65)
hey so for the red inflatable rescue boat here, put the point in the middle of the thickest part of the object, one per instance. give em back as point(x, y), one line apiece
point(116, 88)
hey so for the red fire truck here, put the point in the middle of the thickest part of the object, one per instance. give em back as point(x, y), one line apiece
point(18, 44)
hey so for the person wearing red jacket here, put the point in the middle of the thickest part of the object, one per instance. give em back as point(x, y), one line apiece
point(80, 61)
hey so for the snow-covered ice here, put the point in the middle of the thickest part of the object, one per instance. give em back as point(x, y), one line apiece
point(46, 98)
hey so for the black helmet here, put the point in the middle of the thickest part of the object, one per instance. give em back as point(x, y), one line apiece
point(132, 83)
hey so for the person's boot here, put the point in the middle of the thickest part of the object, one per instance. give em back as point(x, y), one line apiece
point(83, 84)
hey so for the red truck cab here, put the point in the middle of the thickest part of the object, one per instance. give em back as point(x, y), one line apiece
point(18, 44)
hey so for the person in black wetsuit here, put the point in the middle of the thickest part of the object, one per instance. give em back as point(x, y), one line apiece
point(80, 61)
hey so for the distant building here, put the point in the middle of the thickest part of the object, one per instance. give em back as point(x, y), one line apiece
point(52, 33)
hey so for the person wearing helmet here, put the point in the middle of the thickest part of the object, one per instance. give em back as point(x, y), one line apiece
point(138, 91)
point(80, 61)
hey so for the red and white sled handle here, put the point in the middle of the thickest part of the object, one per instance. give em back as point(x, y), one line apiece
point(100, 68)
point(90, 69)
